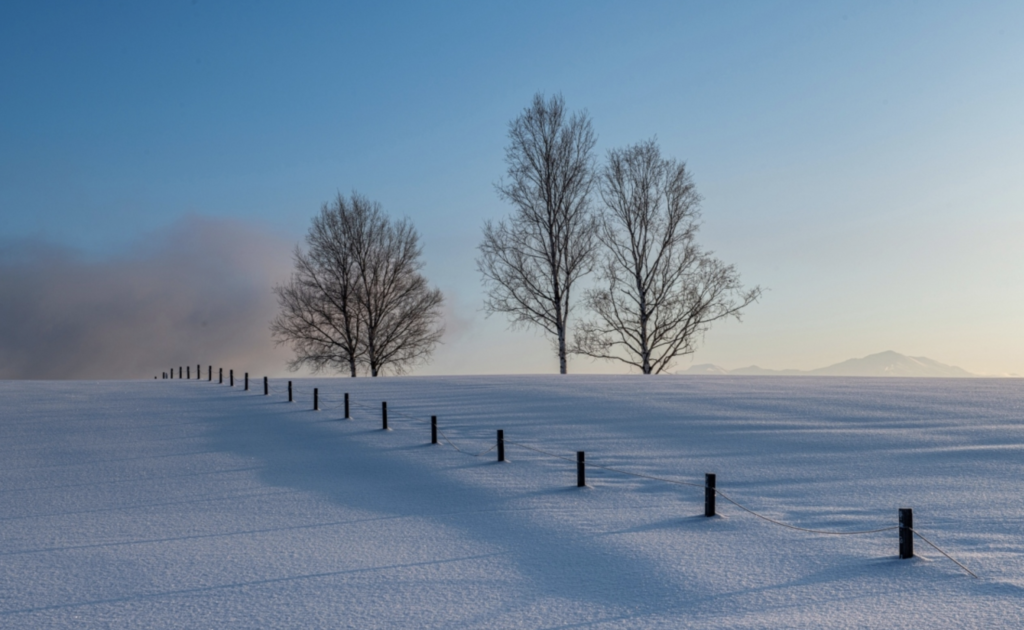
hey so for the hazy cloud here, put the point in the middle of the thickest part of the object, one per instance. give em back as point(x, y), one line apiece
point(196, 292)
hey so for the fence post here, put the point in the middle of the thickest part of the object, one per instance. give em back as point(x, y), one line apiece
point(266, 386)
point(246, 381)
point(179, 372)
point(346, 405)
point(501, 445)
point(188, 372)
point(316, 399)
point(709, 494)
point(209, 378)
point(906, 533)
point(199, 371)
point(581, 470)
point(384, 414)
point(289, 391)
point(232, 378)
point(433, 429)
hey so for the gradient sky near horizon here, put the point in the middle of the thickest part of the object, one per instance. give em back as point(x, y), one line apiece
point(861, 161)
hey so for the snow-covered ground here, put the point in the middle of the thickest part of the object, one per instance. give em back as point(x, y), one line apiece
point(186, 504)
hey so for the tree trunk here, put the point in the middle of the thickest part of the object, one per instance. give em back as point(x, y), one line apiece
point(645, 350)
point(561, 351)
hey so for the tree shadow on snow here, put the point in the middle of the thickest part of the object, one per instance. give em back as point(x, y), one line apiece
point(342, 461)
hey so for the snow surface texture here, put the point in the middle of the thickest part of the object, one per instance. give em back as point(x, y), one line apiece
point(185, 504)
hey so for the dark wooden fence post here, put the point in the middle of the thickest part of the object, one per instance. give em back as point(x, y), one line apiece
point(501, 445)
point(209, 378)
point(246, 381)
point(709, 494)
point(384, 414)
point(581, 470)
point(289, 391)
point(433, 429)
point(199, 372)
point(906, 533)
point(232, 378)
point(188, 372)
point(316, 399)
point(179, 372)
point(266, 386)
point(346, 405)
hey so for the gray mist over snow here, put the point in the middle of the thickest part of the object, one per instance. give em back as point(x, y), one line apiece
point(199, 291)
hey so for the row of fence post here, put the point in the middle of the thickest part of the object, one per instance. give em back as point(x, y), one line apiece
point(906, 515)
point(187, 373)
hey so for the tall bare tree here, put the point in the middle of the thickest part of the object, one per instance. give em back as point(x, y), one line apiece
point(357, 298)
point(531, 260)
point(660, 292)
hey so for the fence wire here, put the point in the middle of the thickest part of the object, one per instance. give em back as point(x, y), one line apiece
point(440, 431)
point(936, 547)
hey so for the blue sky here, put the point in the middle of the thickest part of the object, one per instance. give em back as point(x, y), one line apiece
point(861, 161)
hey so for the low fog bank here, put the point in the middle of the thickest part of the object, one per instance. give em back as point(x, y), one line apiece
point(198, 291)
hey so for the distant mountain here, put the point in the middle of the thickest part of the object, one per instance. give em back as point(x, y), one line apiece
point(887, 363)
point(754, 370)
point(891, 363)
point(706, 368)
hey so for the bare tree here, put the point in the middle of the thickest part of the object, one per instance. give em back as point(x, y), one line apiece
point(660, 291)
point(319, 309)
point(531, 260)
point(400, 312)
point(357, 298)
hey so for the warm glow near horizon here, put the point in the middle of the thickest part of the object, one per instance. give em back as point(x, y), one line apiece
point(861, 163)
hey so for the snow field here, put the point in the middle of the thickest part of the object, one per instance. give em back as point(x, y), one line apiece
point(188, 504)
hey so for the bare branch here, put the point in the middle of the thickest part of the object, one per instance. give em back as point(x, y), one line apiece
point(662, 292)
